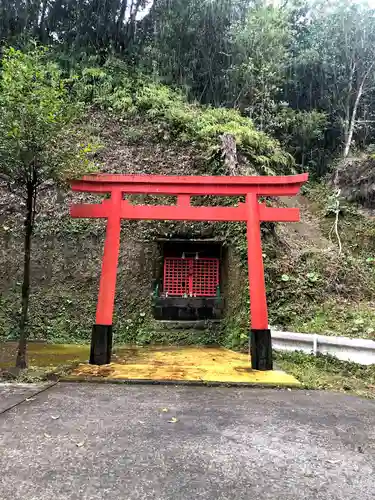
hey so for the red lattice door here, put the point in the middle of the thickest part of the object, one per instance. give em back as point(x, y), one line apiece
point(191, 277)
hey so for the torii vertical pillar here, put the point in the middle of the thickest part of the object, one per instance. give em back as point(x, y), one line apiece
point(101, 340)
point(260, 335)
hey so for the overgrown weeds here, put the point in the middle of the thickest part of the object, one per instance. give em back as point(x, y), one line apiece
point(329, 373)
point(112, 89)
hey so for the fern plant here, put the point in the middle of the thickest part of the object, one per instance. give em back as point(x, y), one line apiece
point(111, 87)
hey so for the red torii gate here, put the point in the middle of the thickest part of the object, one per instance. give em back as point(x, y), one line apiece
point(252, 212)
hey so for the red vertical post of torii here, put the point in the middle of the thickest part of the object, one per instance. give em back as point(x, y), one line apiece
point(102, 332)
point(252, 212)
point(260, 339)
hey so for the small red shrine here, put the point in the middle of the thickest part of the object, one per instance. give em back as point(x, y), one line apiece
point(190, 276)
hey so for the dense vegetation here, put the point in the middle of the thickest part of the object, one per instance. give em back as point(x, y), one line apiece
point(37, 144)
point(291, 85)
point(303, 71)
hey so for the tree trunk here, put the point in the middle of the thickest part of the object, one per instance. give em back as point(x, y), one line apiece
point(29, 222)
point(121, 18)
point(347, 104)
point(41, 29)
point(134, 7)
point(349, 138)
point(229, 154)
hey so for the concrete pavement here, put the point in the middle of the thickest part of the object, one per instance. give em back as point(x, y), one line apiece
point(99, 441)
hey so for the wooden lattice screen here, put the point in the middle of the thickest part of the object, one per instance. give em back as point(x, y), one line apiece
point(191, 277)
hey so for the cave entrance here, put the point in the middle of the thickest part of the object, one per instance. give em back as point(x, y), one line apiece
point(191, 281)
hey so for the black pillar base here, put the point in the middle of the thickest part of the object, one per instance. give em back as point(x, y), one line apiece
point(261, 350)
point(101, 345)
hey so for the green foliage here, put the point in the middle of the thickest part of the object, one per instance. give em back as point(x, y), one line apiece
point(326, 372)
point(107, 85)
point(78, 28)
point(292, 71)
point(356, 230)
point(147, 335)
point(191, 46)
point(326, 287)
point(301, 132)
point(175, 119)
point(335, 292)
point(315, 57)
point(334, 57)
point(37, 145)
point(260, 53)
point(66, 320)
point(37, 140)
point(236, 331)
point(339, 317)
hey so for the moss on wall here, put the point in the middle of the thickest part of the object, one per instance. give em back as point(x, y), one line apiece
point(65, 279)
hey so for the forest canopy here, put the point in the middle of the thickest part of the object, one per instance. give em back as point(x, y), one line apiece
point(303, 71)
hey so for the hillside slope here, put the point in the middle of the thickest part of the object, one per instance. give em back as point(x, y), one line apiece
point(310, 286)
point(334, 293)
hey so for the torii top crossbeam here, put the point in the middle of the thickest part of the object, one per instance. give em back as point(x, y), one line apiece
point(195, 185)
point(190, 186)
point(252, 212)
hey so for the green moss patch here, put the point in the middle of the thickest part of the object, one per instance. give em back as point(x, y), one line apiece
point(44, 356)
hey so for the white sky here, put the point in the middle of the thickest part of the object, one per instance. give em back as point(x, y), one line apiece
point(142, 13)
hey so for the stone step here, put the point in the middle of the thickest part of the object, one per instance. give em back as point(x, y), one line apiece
point(159, 325)
point(185, 337)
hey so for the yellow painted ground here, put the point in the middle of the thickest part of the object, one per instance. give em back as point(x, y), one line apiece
point(193, 364)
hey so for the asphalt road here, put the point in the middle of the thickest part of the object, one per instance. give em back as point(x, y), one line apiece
point(13, 394)
point(98, 441)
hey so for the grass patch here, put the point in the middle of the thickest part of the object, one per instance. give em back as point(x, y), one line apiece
point(344, 318)
point(320, 290)
point(356, 230)
point(211, 335)
point(329, 373)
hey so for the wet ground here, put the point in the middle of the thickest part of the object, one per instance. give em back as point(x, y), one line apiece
point(197, 364)
point(183, 364)
point(41, 354)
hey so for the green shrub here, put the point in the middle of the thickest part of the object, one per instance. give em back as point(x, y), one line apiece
point(112, 88)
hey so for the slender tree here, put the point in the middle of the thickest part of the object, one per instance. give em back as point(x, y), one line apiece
point(37, 144)
point(259, 54)
point(335, 65)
